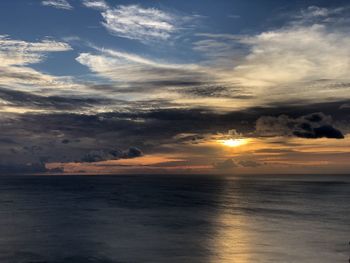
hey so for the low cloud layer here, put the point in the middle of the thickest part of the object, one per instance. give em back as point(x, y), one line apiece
point(230, 164)
point(113, 154)
point(64, 138)
point(312, 126)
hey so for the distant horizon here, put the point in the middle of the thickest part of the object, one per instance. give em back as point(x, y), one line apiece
point(181, 174)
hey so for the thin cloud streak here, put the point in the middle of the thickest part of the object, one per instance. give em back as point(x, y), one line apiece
point(96, 4)
point(135, 22)
point(59, 4)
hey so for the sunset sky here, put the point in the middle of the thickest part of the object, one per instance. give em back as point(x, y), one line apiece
point(160, 86)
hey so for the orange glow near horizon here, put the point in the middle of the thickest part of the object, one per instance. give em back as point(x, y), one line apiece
point(234, 142)
point(271, 153)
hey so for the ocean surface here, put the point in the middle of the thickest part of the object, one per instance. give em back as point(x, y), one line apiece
point(115, 219)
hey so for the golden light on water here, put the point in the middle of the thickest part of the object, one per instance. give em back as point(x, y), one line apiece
point(234, 142)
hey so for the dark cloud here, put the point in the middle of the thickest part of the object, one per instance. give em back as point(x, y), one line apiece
point(225, 165)
point(95, 156)
point(132, 152)
point(115, 154)
point(230, 164)
point(25, 99)
point(6, 169)
point(216, 91)
point(189, 138)
point(185, 87)
point(6, 141)
point(249, 163)
point(325, 131)
point(70, 137)
point(344, 106)
point(312, 126)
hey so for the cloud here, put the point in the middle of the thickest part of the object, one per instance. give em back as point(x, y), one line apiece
point(29, 168)
point(19, 52)
point(130, 68)
point(292, 54)
point(249, 163)
point(95, 156)
point(132, 152)
point(60, 4)
point(104, 155)
point(315, 11)
point(291, 59)
point(229, 164)
point(96, 4)
point(239, 71)
point(6, 169)
point(64, 138)
point(135, 22)
point(344, 106)
point(16, 55)
point(312, 126)
point(163, 105)
point(325, 131)
point(320, 14)
point(18, 75)
point(141, 78)
point(15, 98)
point(61, 137)
point(225, 165)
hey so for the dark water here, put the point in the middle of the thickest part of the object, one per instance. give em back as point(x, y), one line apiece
point(174, 219)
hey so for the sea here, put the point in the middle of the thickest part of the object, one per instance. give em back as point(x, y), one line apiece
point(175, 218)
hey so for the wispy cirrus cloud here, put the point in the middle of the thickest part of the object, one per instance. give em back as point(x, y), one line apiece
point(60, 4)
point(96, 4)
point(139, 23)
point(136, 22)
point(321, 14)
point(125, 67)
point(19, 52)
point(140, 78)
point(16, 72)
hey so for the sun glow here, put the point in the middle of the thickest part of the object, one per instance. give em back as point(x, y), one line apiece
point(234, 142)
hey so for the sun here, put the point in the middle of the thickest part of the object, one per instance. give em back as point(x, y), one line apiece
point(234, 142)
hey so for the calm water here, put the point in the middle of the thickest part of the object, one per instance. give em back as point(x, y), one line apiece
point(174, 219)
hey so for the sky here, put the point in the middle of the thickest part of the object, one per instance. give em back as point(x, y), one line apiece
point(174, 87)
